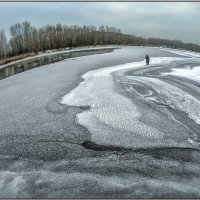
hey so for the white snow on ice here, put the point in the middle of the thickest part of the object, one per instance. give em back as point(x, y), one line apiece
point(112, 117)
point(189, 73)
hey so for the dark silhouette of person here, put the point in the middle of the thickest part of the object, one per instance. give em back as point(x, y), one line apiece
point(147, 59)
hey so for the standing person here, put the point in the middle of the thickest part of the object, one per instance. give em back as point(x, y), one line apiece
point(147, 59)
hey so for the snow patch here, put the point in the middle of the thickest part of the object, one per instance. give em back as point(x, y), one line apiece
point(112, 119)
point(189, 73)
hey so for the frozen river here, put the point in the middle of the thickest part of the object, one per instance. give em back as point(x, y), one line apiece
point(123, 130)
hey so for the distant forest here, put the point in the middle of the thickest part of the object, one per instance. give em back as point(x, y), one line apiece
point(26, 39)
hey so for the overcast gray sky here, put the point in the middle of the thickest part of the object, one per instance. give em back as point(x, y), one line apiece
point(172, 20)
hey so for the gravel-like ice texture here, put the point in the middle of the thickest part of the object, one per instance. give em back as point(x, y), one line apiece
point(46, 153)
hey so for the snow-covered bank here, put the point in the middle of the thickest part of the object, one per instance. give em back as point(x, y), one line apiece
point(53, 52)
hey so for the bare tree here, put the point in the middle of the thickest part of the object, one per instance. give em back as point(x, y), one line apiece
point(17, 38)
point(26, 34)
point(3, 45)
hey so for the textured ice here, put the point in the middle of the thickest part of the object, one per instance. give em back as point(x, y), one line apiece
point(112, 118)
point(174, 97)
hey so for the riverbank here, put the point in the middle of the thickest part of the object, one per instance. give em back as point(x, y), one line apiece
point(47, 58)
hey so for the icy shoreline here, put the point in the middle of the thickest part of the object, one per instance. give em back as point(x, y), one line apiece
point(48, 58)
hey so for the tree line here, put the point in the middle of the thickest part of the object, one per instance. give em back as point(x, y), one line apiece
point(25, 38)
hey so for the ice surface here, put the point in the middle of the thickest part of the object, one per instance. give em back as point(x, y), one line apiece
point(37, 168)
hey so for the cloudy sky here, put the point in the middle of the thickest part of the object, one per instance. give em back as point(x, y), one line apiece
point(172, 20)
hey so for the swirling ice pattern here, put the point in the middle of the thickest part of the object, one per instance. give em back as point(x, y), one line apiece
point(115, 118)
